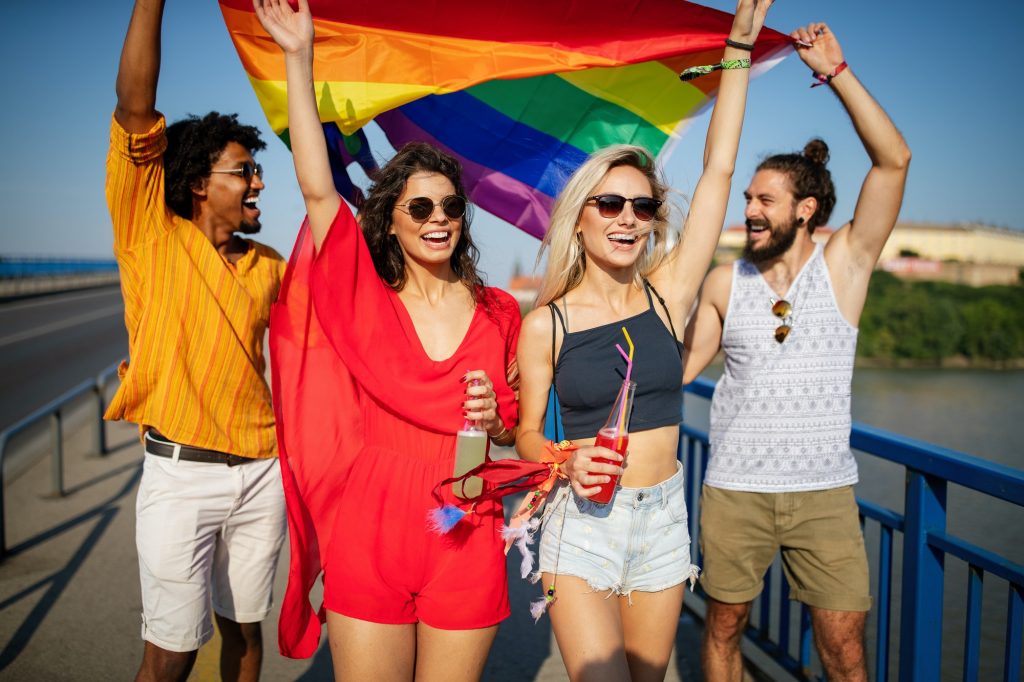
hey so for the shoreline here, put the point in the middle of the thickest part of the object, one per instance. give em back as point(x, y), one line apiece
point(952, 362)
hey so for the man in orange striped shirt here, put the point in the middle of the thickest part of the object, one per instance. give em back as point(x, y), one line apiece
point(210, 512)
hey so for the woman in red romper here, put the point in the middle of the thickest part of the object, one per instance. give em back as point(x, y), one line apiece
point(378, 328)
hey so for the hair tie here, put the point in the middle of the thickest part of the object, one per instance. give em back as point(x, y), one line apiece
point(738, 45)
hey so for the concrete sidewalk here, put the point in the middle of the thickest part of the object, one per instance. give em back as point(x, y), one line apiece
point(69, 591)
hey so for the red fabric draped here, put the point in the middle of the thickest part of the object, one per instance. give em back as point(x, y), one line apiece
point(336, 332)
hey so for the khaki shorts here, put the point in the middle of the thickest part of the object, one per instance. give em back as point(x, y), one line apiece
point(818, 532)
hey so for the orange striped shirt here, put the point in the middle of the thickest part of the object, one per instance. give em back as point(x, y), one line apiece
point(195, 322)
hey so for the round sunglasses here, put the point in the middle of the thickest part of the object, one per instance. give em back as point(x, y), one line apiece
point(783, 310)
point(421, 208)
point(611, 205)
point(247, 171)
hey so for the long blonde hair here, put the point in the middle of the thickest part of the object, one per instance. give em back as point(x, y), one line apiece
point(566, 258)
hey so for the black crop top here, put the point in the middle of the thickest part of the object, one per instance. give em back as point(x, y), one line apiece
point(589, 372)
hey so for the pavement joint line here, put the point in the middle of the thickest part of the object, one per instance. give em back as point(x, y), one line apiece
point(57, 297)
point(61, 324)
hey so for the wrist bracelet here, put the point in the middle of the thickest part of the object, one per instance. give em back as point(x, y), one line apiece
point(502, 438)
point(749, 47)
point(725, 65)
point(825, 79)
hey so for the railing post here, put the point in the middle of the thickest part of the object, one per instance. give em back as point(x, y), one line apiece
point(57, 455)
point(922, 580)
point(3, 506)
point(101, 431)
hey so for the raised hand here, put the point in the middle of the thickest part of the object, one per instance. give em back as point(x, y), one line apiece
point(292, 30)
point(818, 47)
point(749, 20)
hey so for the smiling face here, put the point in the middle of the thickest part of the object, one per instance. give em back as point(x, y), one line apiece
point(228, 200)
point(619, 241)
point(432, 242)
point(772, 216)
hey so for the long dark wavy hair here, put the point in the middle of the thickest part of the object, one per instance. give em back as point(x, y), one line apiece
point(193, 145)
point(376, 211)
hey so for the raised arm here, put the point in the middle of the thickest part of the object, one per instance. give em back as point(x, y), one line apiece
point(293, 32)
point(681, 275)
point(882, 192)
point(139, 68)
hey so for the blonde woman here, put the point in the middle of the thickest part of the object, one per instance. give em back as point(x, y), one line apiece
point(621, 567)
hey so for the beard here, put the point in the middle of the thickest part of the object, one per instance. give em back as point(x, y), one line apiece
point(782, 238)
point(250, 227)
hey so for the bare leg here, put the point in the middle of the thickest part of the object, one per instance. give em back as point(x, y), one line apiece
point(839, 636)
point(362, 650)
point(452, 655)
point(723, 628)
point(241, 650)
point(588, 628)
point(161, 665)
point(650, 626)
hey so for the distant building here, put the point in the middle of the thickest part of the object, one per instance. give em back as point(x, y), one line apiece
point(524, 288)
point(966, 253)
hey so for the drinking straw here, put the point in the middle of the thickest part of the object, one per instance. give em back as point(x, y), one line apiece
point(629, 371)
point(629, 360)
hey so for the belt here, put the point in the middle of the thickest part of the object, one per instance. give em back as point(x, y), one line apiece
point(188, 453)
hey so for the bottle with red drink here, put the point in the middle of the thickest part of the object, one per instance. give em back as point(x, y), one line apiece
point(614, 435)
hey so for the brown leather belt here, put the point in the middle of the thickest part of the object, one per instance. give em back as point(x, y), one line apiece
point(157, 445)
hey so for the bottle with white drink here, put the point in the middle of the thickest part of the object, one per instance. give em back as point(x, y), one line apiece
point(470, 451)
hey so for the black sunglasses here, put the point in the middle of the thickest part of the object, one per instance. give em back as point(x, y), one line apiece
point(611, 205)
point(247, 170)
point(421, 208)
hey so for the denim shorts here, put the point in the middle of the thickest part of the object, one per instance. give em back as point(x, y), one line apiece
point(639, 541)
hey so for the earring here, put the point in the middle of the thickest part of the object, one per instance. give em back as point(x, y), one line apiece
point(800, 221)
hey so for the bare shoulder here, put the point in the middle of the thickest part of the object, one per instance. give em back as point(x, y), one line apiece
point(717, 286)
point(536, 325)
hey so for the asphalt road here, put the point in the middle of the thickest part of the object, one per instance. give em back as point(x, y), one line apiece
point(51, 343)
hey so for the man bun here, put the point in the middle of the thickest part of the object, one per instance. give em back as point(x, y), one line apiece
point(817, 151)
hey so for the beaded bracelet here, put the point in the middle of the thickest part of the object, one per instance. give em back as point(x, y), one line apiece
point(724, 65)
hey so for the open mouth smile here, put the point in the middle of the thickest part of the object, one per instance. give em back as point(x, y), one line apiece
point(438, 238)
point(624, 238)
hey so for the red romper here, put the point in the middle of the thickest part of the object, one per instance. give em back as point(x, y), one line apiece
point(366, 425)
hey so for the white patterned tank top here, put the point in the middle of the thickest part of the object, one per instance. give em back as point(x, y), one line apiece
point(780, 416)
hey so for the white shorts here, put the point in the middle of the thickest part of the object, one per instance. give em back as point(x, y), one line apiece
point(206, 531)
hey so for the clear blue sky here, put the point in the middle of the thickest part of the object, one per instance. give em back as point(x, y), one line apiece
point(950, 79)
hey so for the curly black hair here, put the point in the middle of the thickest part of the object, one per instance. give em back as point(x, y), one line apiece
point(809, 177)
point(193, 145)
point(375, 215)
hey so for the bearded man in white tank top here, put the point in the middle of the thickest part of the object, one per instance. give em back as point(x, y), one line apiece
point(780, 474)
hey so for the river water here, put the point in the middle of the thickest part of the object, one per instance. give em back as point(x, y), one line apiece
point(978, 412)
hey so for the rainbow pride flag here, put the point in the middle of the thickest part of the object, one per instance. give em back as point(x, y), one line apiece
point(521, 93)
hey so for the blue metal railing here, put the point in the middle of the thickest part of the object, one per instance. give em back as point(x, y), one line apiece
point(53, 411)
point(926, 544)
point(19, 267)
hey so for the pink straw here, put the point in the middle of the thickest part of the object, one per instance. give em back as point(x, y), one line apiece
point(629, 361)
